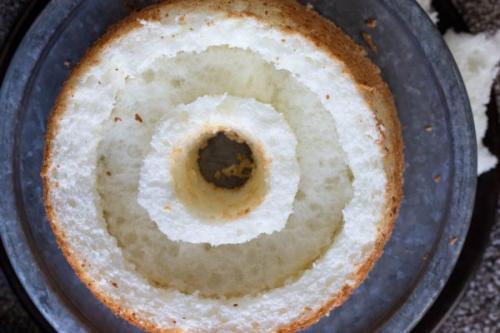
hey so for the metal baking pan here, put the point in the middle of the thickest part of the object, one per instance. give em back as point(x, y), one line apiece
point(440, 173)
point(484, 216)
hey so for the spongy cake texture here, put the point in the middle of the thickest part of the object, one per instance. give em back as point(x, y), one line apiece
point(478, 58)
point(221, 216)
point(265, 262)
point(348, 151)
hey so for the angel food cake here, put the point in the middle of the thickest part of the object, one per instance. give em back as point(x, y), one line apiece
point(223, 166)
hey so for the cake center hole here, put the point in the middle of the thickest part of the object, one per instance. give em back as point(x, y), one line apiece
point(226, 160)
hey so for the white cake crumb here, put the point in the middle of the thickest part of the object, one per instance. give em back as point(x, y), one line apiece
point(477, 57)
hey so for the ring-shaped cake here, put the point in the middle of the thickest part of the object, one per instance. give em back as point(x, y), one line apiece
point(113, 179)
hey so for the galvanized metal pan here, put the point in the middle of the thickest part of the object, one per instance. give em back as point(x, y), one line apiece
point(440, 173)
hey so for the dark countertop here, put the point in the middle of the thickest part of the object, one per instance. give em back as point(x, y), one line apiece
point(13, 318)
point(478, 311)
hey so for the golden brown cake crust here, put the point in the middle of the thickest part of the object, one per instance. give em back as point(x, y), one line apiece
point(291, 18)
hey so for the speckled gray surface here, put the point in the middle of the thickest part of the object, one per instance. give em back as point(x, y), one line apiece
point(9, 12)
point(478, 311)
point(480, 15)
point(13, 318)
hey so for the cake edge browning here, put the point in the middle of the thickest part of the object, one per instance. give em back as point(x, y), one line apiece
point(289, 17)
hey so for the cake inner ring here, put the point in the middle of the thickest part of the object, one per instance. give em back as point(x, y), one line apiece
point(180, 199)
